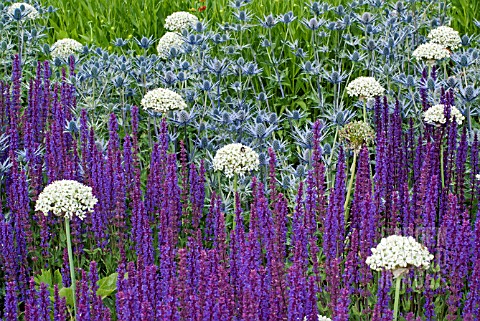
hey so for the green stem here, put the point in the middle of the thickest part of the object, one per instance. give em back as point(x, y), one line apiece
point(331, 152)
point(441, 165)
point(365, 110)
point(350, 184)
point(71, 264)
point(398, 281)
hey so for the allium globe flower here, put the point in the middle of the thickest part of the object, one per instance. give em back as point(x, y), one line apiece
point(178, 21)
point(169, 40)
point(162, 100)
point(356, 134)
point(446, 37)
point(64, 48)
point(398, 254)
point(435, 115)
point(365, 87)
point(320, 318)
point(66, 198)
point(29, 10)
point(235, 159)
point(431, 52)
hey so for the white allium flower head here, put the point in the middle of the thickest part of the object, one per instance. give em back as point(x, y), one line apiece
point(399, 253)
point(29, 10)
point(435, 115)
point(169, 40)
point(64, 48)
point(430, 52)
point(162, 100)
point(477, 177)
point(320, 318)
point(66, 198)
point(178, 21)
point(445, 36)
point(235, 159)
point(365, 87)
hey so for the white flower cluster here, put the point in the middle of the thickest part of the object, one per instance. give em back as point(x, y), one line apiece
point(64, 48)
point(235, 159)
point(320, 318)
point(435, 115)
point(29, 11)
point(430, 52)
point(445, 36)
point(66, 198)
point(477, 177)
point(399, 253)
point(180, 20)
point(169, 40)
point(162, 100)
point(365, 87)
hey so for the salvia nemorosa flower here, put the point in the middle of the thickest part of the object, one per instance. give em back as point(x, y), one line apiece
point(66, 198)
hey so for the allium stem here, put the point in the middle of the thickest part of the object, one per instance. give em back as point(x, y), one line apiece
point(331, 153)
point(365, 110)
point(350, 184)
point(398, 282)
point(71, 264)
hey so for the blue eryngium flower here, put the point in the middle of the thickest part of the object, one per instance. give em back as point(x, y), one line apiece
point(145, 42)
point(269, 21)
point(119, 42)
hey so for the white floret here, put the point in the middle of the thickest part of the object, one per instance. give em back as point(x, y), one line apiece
point(399, 252)
point(365, 87)
point(169, 40)
point(235, 159)
point(431, 52)
point(66, 198)
point(435, 115)
point(180, 20)
point(64, 48)
point(446, 37)
point(162, 100)
point(29, 10)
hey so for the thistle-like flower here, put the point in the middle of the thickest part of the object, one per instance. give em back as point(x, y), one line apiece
point(64, 48)
point(179, 21)
point(431, 52)
point(66, 198)
point(235, 159)
point(356, 134)
point(28, 11)
point(398, 254)
point(168, 41)
point(162, 100)
point(365, 88)
point(445, 36)
point(435, 115)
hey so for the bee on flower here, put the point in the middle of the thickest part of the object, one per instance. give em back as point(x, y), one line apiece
point(235, 159)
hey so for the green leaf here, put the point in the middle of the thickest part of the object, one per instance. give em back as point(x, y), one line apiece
point(67, 293)
point(107, 285)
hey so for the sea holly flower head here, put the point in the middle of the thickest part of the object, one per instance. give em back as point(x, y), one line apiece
point(179, 21)
point(356, 134)
point(64, 48)
point(162, 100)
point(66, 198)
point(28, 12)
point(445, 36)
point(365, 88)
point(430, 52)
point(236, 159)
point(398, 254)
point(435, 115)
point(168, 41)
